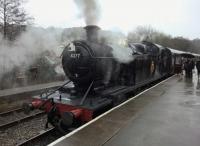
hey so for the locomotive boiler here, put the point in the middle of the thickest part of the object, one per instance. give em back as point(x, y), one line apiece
point(100, 80)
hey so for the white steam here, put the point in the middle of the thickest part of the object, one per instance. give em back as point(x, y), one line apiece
point(27, 48)
point(89, 10)
point(75, 33)
point(122, 54)
point(118, 42)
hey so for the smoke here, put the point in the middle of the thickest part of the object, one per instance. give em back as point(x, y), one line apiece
point(89, 10)
point(27, 48)
point(118, 42)
point(122, 53)
point(71, 34)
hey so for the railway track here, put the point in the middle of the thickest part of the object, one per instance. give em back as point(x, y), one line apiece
point(42, 139)
point(2, 114)
point(16, 127)
point(17, 121)
point(13, 117)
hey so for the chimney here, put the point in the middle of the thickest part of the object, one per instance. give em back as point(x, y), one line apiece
point(92, 32)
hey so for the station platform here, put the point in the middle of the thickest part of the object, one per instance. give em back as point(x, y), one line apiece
point(13, 98)
point(29, 89)
point(167, 114)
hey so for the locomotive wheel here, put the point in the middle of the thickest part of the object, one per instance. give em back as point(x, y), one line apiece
point(62, 128)
point(67, 119)
point(65, 122)
point(61, 124)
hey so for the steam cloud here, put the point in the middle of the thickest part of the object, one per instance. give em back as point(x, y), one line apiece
point(89, 10)
point(122, 54)
point(118, 42)
point(31, 44)
point(27, 48)
point(71, 34)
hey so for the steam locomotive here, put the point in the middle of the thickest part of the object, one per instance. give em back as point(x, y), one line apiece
point(98, 81)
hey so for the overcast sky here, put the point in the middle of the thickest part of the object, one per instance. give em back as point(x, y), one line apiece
point(174, 17)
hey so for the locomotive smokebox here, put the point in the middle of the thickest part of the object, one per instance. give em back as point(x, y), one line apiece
point(92, 32)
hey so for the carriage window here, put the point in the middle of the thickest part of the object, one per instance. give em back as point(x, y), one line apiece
point(178, 60)
point(152, 49)
point(140, 48)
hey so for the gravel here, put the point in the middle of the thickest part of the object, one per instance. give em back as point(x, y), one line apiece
point(15, 116)
point(22, 131)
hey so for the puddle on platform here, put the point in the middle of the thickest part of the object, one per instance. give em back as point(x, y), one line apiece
point(198, 93)
point(191, 103)
point(157, 93)
point(198, 85)
point(189, 92)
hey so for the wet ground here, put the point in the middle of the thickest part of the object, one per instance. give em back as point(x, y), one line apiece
point(167, 115)
point(13, 98)
point(171, 120)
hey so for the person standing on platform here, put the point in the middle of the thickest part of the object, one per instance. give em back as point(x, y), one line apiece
point(198, 68)
point(191, 67)
point(186, 68)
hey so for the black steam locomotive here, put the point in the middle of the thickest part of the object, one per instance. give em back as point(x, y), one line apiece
point(100, 81)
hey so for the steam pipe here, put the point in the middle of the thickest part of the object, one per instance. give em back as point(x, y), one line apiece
point(58, 88)
point(86, 93)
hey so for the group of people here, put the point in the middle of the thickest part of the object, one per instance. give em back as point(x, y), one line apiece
point(189, 65)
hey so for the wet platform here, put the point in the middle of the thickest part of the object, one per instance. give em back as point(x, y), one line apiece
point(13, 98)
point(32, 89)
point(166, 115)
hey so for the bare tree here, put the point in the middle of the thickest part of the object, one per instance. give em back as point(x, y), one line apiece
point(142, 33)
point(195, 47)
point(13, 17)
